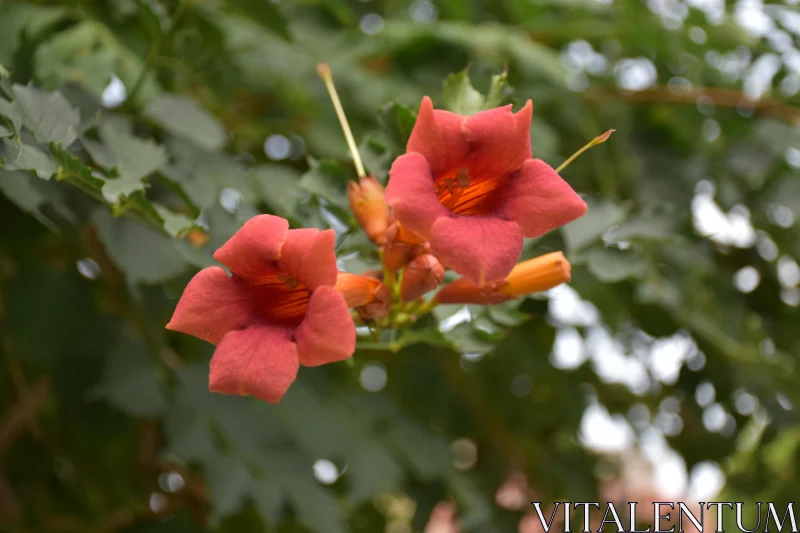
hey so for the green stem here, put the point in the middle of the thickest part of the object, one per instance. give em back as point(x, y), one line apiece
point(153, 55)
point(597, 140)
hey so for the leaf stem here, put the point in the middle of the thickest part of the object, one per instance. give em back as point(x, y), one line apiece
point(324, 71)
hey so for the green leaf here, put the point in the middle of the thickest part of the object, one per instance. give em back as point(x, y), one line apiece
point(397, 122)
point(327, 180)
point(30, 194)
point(4, 73)
point(183, 117)
point(277, 185)
point(23, 156)
point(133, 158)
point(77, 54)
point(647, 227)
point(496, 95)
point(460, 96)
point(49, 116)
point(612, 266)
point(176, 224)
point(129, 382)
point(11, 111)
point(589, 228)
point(265, 12)
point(69, 164)
point(125, 241)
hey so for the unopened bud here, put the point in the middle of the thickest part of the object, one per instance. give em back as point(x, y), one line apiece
point(368, 295)
point(537, 275)
point(423, 274)
point(463, 291)
point(369, 207)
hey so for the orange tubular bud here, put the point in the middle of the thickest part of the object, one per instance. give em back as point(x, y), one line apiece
point(424, 273)
point(537, 275)
point(463, 291)
point(369, 207)
point(368, 295)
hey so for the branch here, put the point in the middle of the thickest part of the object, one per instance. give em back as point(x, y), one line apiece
point(21, 413)
point(721, 97)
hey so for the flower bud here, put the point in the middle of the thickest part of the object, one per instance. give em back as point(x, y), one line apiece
point(535, 275)
point(463, 291)
point(368, 295)
point(401, 247)
point(424, 273)
point(369, 207)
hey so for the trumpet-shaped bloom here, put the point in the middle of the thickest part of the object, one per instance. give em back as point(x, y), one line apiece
point(535, 275)
point(278, 310)
point(469, 185)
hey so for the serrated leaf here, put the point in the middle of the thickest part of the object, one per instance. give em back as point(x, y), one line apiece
point(176, 224)
point(132, 158)
point(125, 241)
point(30, 194)
point(183, 117)
point(49, 116)
point(24, 156)
point(128, 380)
point(496, 97)
point(459, 96)
point(70, 164)
point(612, 266)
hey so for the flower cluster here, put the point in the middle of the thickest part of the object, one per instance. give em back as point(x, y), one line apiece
point(462, 197)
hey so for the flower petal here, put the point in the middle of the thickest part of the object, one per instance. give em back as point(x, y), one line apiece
point(412, 196)
point(258, 361)
point(438, 137)
point(539, 200)
point(212, 305)
point(500, 141)
point(482, 249)
point(253, 249)
point(308, 255)
point(327, 333)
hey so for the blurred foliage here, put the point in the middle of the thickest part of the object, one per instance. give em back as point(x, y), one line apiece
point(136, 136)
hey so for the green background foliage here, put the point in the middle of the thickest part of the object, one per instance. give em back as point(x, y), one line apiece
point(110, 205)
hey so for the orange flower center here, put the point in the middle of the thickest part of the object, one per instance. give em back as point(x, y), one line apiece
point(279, 297)
point(466, 194)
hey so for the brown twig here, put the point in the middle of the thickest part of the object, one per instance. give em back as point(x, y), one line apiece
point(721, 97)
point(21, 413)
point(21, 388)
